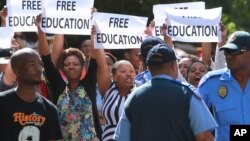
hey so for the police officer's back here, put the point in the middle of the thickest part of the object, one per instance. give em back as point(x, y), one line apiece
point(164, 109)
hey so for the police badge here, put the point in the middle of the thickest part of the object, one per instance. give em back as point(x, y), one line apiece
point(222, 91)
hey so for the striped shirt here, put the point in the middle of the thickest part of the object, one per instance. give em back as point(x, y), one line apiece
point(112, 110)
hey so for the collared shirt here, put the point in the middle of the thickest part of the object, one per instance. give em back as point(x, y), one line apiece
point(145, 76)
point(200, 117)
point(142, 78)
point(221, 90)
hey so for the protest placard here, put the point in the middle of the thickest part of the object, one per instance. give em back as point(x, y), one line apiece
point(194, 25)
point(160, 16)
point(117, 31)
point(67, 16)
point(22, 14)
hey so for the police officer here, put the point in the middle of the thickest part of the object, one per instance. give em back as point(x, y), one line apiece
point(162, 108)
point(228, 90)
point(146, 45)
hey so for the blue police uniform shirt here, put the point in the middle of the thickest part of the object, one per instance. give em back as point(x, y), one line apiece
point(145, 76)
point(142, 78)
point(200, 117)
point(231, 105)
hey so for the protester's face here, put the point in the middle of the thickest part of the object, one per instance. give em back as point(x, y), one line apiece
point(30, 69)
point(72, 67)
point(19, 39)
point(85, 48)
point(133, 58)
point(196, 72)
point(237, 61)
point(184, 64)
point(124, 76)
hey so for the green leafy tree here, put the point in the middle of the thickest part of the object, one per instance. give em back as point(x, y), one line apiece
point(1, 4)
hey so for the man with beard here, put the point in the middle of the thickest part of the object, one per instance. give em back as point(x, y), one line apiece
point(24, 113)
point(227, 90)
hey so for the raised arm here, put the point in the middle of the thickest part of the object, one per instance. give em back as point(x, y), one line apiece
point(3, 15)
point(163, 29)
point(219, 58)
point(57, 49)
point(223, 41)
point(58, 45)
point(150, 28)
point(51, 72)
point(206, 53)
point(43, 46)
point(167, 39)
point(103, 73)
point(93, 30)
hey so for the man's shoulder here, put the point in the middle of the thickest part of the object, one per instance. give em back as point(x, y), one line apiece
point(193, 90)
point(186, 88)
point(215, 75)
point(7, 93)
point(175, 82)
point(46, 102)
point(6, 97)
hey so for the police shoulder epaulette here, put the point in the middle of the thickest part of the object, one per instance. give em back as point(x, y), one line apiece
point(215, 73)
point(191, 87)
point(195, 91)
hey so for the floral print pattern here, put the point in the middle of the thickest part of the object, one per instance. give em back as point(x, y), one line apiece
point(76, 116)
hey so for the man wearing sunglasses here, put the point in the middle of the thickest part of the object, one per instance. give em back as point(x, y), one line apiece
point(227, 90)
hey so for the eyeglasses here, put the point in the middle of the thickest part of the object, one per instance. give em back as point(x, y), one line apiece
point(18, 36)
point(233, 52)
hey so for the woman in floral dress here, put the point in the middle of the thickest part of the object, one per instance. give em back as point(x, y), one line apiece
point(76, 98)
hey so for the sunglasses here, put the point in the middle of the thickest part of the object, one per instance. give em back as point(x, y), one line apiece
point(234, 52)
